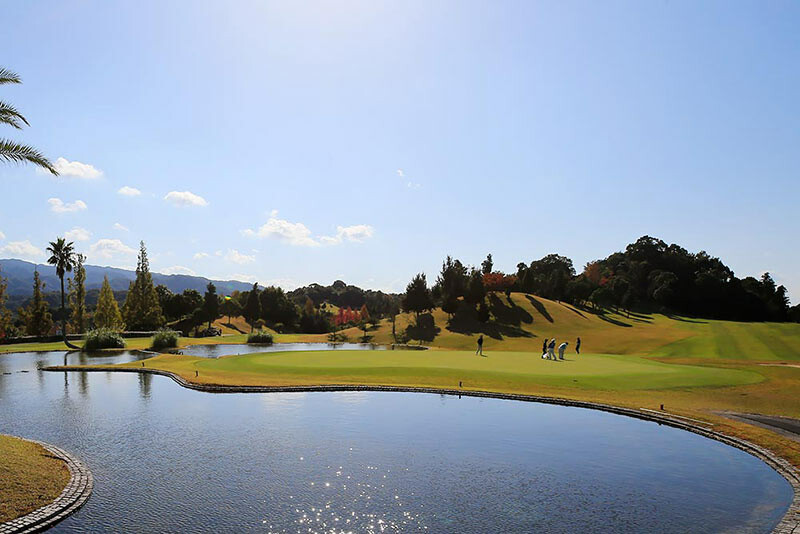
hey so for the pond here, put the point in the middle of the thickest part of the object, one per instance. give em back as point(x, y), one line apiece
point(170, 459)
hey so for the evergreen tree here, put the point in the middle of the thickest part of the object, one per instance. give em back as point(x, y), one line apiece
point(36, 315)
point(142, 310)
point(476, 292)
point(231, 308)
point(252, 307)
point(487, 266)
point(5, 314)
point(211, 303)
point(77, 295)
point(107, 314)
point(417, 298)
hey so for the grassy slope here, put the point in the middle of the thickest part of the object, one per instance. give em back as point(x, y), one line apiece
point(29, 477)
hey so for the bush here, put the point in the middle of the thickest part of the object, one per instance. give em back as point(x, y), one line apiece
point(259, 337)
point(103, 338)
point(165, 339)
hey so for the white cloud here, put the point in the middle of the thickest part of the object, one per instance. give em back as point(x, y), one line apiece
point(109, 248)
point(409, 183)
point(78, 234)
point(185, 198)
point(121, 228)
point(21, 249)
point(297, 233)
point(200, 255)
point(77, 169)
point(2, 235)
point(235, 256)
point(129, 191)
point(59, 206)
point(357, 233)
point(178, 269)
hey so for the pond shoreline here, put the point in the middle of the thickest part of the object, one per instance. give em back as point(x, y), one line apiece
point(72, 497)
point(790, 523)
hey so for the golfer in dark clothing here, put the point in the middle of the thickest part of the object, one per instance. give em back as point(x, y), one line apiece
point(544, 346)
point(480, 345)
point(578, 346)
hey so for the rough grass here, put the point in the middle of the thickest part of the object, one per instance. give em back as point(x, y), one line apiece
point(29, 477)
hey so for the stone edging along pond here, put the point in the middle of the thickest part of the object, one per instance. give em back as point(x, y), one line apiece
point(790, 523)
point(72, 497)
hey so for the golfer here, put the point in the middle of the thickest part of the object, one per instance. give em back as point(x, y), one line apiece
point(480, 345)
point(561, 349)
point(544, 349)
point(551, 349)
point(578, 346)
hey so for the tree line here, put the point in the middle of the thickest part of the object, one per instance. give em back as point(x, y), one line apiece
point(648, 276)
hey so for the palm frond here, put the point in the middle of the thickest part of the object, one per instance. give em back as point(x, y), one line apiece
point(13, 152)
point(9, 115)
point(8, 76)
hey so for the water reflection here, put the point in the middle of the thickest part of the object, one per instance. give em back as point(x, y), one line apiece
point(170, 459)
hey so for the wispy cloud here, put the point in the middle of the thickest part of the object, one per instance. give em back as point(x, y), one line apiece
point(2, 236)
point(298, 234)
point(22, 249)
point(77, 169)
point(235, 256)
point(110, 248)
point(201, 255)
point(178, 269)
point(59, 206)
point(185, 198)
point(128, 191)
point(78, 234)
point(121, 228)
point(409, 183)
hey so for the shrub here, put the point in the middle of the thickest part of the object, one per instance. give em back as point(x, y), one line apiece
point(165, 339)
point(259, 336)
point(103, 338)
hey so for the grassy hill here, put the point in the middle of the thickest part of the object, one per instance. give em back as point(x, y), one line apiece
point(522, 322)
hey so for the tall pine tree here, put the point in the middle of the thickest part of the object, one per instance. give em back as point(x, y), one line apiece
point(5, 315)
point(107, 314)
point(77, 295)
point(36, 315)
point(142, 310)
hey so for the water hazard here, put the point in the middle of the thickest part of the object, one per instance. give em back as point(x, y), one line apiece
point(170, 459)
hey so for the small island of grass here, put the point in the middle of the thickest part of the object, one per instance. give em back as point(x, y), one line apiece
point(30, 477)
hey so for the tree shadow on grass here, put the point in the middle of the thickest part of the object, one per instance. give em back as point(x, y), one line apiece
point(684, 319)
point(540, 308)
point(425, 328)
point(573, 309)
point(606, 318)
point(466, 322)
point(508, 315)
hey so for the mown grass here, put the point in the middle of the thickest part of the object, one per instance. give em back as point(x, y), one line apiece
point(29, 477)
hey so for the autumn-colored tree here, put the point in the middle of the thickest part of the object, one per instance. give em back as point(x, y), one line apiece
point(498, 281)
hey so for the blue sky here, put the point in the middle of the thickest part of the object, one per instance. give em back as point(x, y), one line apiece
point(300, 142)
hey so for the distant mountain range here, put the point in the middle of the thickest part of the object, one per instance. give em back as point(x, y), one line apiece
point(19, 274)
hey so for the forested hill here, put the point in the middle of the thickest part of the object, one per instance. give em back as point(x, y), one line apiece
point(20, 279)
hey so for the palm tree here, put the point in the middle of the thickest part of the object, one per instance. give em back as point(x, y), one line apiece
point(62, 255)
point(11, 151)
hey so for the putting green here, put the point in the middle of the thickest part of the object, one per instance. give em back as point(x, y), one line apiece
point(505, 371)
